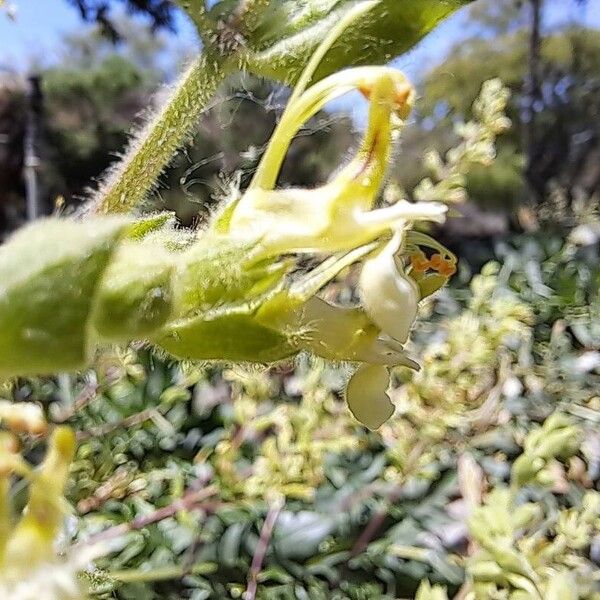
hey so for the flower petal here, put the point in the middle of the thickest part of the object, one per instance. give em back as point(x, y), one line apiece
point(389, 297)
point(329, 218)
point(367, 396)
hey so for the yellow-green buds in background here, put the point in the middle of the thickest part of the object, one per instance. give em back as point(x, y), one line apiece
point(527, 550)
point(557, 438)
point(29, 566)
point(562, 587)
point(428, 592)
point(494, 527)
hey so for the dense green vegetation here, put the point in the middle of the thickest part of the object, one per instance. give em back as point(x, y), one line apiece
point(366, 515)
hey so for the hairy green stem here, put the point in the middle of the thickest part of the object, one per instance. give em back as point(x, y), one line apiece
point(196, 11)
point(128, 184)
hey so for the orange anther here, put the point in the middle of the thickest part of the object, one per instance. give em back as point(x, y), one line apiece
point(447, 269)
point(419, 263)
point(437, 261)
point(365, 90)
point(402, 95)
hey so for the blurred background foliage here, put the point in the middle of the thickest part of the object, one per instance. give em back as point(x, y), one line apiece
point(219, 481)
point(179, 466)
point(98, 93)
point(566, 149)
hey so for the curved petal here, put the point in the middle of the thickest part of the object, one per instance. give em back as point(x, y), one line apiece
point(367, 396)
point(389, 297)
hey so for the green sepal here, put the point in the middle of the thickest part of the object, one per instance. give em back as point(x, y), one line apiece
point(150, 224)
point(49, 274)
point(430, 283)
point(219, 272)
point(229, 337)
point(135, 298)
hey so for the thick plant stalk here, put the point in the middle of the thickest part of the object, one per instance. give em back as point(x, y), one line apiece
point(150, 152)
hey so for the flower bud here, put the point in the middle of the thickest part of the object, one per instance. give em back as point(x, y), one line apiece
point(47, 294)
point(486, 570)
point(428, 592)
point(562, 586)
point(136, 297)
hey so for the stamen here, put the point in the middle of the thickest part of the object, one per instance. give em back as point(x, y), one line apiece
point(436, 261)
point(402, 97)
point(447, 269)
point(419, 262)
point(444, 265)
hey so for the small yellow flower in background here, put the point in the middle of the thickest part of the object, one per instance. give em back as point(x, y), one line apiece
point(23, 417)
point(30, 568)
point(31, 541)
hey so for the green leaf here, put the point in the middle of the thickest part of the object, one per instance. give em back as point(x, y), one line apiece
point(229, 545)
point(298, 535)
point(290, 31)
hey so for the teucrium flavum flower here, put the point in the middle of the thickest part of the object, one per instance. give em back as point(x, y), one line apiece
point(337, 216)
point(236, 291)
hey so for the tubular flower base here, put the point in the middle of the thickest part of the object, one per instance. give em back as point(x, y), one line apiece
point(235, 291)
